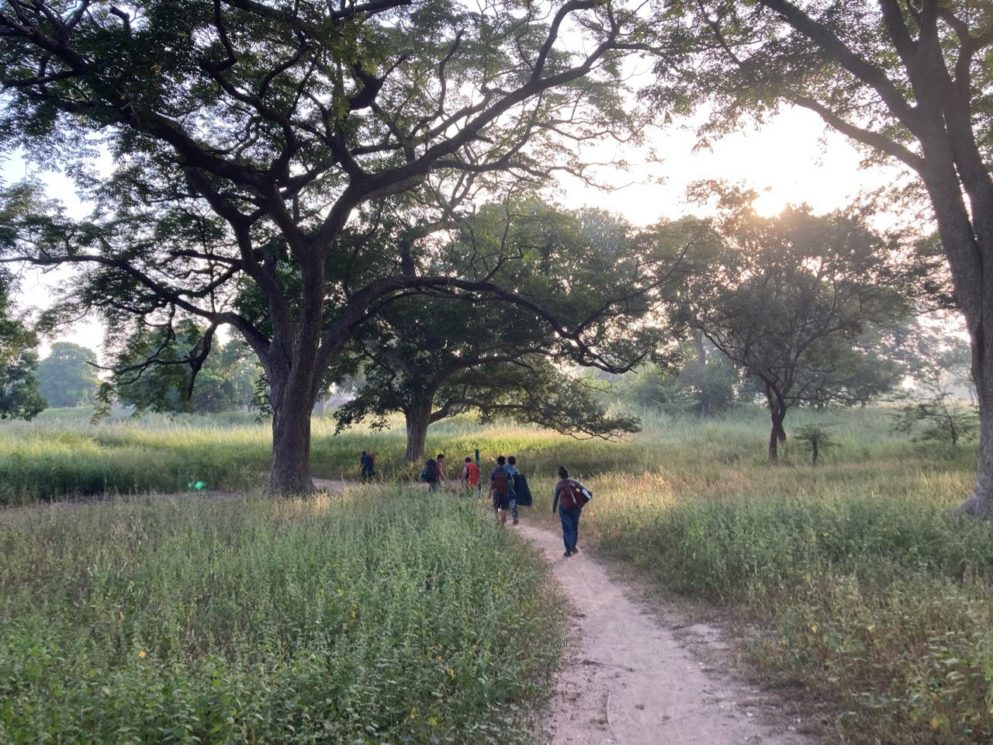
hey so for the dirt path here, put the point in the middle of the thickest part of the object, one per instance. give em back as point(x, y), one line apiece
point(630, 681)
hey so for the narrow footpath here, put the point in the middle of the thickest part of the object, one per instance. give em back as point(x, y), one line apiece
point(628, 679)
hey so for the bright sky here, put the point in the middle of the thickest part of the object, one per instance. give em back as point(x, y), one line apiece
point(790, 159)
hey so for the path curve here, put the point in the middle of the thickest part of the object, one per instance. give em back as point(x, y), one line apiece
point(628, 680)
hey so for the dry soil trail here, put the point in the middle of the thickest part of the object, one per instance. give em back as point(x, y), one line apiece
point(628, 679)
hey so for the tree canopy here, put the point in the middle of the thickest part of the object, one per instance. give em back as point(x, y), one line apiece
point(435, 357)
point(19, 395)
point(244, 136)
point(787, 297)
point(911, 82)
point(68, 375)
point(155, 371)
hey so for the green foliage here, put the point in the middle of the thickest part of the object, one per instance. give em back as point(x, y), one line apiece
point(19, 395)
point(941, 418)
point(67, 377)
point(154, 371)
point(817, 437)
point(357, 619)
point(684, 390)
point(650, 386)
point(788, 297)
point(436, 357)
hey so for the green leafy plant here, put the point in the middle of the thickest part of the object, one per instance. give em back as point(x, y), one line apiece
point(939, 418)
point(817, 437)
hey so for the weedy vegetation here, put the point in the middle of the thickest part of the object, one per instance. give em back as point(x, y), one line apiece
point(360, 619)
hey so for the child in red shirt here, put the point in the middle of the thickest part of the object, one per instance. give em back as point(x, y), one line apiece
point(470, 475)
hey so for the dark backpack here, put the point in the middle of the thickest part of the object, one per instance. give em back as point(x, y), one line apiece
point(430, 471)
point(573, 494)
point(501, 482)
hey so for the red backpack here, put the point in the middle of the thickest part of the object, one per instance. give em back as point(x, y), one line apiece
point(501, 482)
point(573, 494)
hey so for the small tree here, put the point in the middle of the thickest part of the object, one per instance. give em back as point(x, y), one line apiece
point(940, 418)
point(817, 438)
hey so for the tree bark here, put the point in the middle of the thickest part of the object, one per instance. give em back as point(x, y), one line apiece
point(706, 407)
point(777, 413)
point(777, 434)
point(417, 417)
point(290, 474)
point(292, 398)
point(980, 502)
point(292, 368)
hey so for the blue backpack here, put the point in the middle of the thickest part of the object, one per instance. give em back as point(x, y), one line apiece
point(430, 471)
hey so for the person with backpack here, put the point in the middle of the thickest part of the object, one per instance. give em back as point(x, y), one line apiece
point(367, 461)
point(570, 498)
point(516, 475)
point(501, 489)
point(430, 474)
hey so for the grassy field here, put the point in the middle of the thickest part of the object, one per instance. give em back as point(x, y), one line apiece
point(865, 591)
point(358, 620)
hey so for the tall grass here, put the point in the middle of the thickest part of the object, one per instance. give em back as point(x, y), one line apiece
point(377, 618)
point(868, 592)
point(874, 596)
point(63, 455)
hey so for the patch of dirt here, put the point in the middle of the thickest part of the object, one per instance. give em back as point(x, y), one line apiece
point(635, 675)
point(332, 486)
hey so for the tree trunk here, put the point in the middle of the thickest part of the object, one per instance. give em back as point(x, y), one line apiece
point(777, 434)
point(777, 413)
point(290, 474)
point(980, 502)
point(292, 369)
point(706, 407)
point(418, 417)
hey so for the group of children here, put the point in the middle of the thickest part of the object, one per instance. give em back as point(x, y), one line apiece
point(508, 486)
point(509, 490)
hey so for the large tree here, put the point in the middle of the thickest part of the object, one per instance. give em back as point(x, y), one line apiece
point(787, 297)
point(431, 358)
point(244, 135)
point(68, 375)
point(909, 81)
